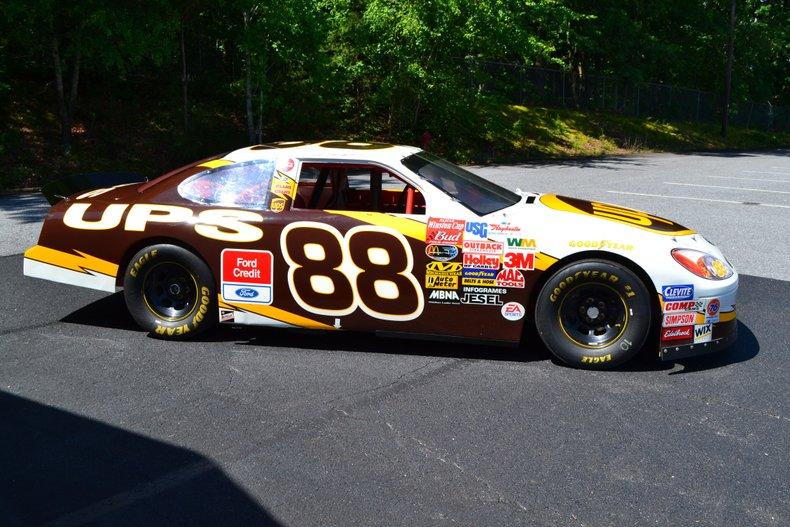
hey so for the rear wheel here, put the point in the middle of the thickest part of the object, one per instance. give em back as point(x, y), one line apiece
point(170, 292)
point(593, 314)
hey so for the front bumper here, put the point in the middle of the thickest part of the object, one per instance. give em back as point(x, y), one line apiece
point(724, 335)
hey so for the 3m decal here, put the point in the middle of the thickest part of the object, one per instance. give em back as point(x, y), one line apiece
point(232, 225)
point(481, 299)
point(513, 311)
point(679, 319)
point(369, 268)
point(518, 260)
point(678, 292)
point(485, 261)
point(703, 333)
point(614, 213)
point(444, 231)
point(510, 278)
point(441, 253)
point(246, 276)
point(677, 333)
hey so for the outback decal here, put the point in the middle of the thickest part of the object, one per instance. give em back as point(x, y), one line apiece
point(230, 225)
point(615, 213)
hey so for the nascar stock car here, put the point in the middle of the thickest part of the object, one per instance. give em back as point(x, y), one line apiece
point(339, 235)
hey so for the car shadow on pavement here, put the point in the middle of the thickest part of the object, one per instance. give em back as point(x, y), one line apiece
point(110, 312)
point(66, 469)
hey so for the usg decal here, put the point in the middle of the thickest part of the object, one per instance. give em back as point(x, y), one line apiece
point(247, 276)
point(475, 230)
point(678, 292)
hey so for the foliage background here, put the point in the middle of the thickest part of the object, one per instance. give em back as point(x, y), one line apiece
point(95, 84)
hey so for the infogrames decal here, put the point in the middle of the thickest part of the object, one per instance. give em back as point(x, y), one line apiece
point(614, 213)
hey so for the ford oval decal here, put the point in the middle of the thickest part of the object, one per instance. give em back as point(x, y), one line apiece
point(246, 292)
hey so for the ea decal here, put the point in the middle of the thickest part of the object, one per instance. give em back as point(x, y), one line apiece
point(513, 311)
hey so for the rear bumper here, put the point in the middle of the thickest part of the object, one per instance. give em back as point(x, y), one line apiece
point(724, 335)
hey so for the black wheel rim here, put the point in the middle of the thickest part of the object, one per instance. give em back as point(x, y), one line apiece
point(593, 315)
point(170, 291)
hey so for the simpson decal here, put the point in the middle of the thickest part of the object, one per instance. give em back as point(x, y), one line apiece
point(679, 319)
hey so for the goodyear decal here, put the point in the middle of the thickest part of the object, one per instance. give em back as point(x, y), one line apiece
point(80, 262)
point(624, 215)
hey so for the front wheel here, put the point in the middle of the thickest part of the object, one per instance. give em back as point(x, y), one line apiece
point(593, 314)
point(170, 292)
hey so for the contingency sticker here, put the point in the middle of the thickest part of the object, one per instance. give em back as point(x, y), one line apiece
point(247, 276)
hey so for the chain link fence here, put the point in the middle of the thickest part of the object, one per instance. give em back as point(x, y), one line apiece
point(531, 85)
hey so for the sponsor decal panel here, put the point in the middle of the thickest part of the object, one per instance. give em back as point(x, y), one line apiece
point(684, 305)
point(510, 278)
point(481, 299)
point(678, 292)
point(677, 333)
point(246, 276)
point(483, 247)
point(703, 333)
point(522, 243)
point(441, 253)
point(517, 259)
point(501, 230)
point(479, 260)
point(277, 204)
point(444, 231)
point(513, 311)
point(679, 319)
point(491, 290)
point(439, 296)
point(475, 230)
point(282, 185)
point(485, 282)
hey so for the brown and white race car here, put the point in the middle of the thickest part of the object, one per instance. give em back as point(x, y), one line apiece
point(390, 239)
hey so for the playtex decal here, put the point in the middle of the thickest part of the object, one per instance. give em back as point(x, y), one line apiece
point(678, 292)
point(444, 231)
point(247, 276)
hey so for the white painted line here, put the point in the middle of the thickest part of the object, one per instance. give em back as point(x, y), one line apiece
point(728, 188)
point(766, 172)
point(698, 199)
point(752, 179)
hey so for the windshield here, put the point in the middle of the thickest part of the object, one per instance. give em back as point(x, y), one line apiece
point(475, 193)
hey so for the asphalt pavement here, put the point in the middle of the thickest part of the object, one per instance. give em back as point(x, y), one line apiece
point(102, 425)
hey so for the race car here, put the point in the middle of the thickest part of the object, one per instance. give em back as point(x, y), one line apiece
point(338, 235)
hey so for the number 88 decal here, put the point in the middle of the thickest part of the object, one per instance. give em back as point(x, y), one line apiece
point(369, 268)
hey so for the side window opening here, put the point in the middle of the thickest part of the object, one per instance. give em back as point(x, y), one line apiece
point(368, 188)
point(244, 185)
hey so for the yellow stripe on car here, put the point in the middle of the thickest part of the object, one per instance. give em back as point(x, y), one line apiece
point(214, 163)
point(411, 228)
point(275, 313)
point(80, 262)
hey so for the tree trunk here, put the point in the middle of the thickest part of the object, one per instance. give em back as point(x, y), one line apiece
point(248, 88)
point(65, 125)
point(184, 77)
point(725, 114)
point(259, 128)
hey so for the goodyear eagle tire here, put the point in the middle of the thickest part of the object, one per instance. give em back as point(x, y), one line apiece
point(593, 314)
point(170, 292)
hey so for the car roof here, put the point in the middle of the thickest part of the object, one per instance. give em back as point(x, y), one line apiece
point(340, 150)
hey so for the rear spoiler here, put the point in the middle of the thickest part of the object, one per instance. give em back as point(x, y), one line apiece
point(64, 187)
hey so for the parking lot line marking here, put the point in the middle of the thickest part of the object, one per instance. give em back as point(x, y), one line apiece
point(752, 179)
point(699, 199)
point(766, 172)
point(728, 188)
